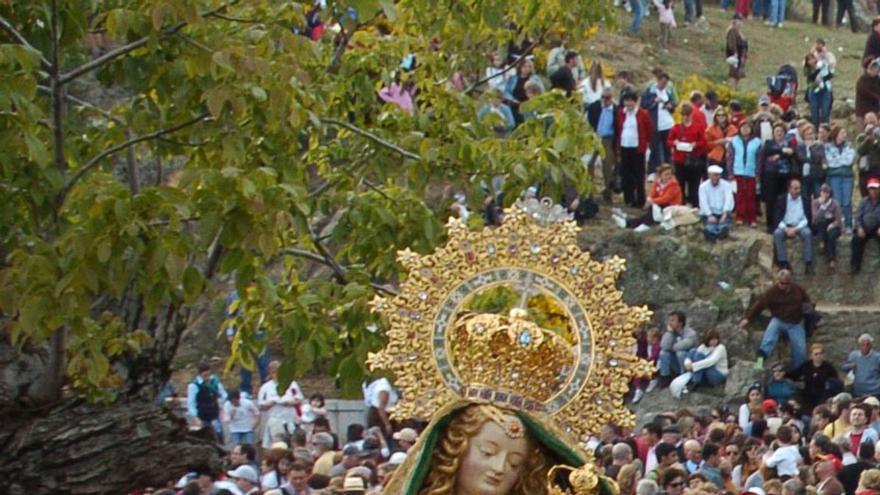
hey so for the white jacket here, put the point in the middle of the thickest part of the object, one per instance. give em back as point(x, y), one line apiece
point(716, 356)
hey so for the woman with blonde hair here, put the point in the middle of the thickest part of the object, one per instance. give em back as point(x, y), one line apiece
point(627, 479)
point(592, 85)
point(869, 482)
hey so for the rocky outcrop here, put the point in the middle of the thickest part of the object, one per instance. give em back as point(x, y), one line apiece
point(715, 284)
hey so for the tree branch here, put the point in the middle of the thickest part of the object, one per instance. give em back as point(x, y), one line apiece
point(235, 19)
point(372, 137)
point(317, 258)
point(57, 103)
point(21, 40)
point(96, 160)
point(85, 104)
point(130, 47)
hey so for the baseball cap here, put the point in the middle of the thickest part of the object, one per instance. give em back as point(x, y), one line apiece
point(397, 458)
point(756, 491)
point(406, 435)
point(279, 446)
point(245, 472)
point(872, 401)
point(715, 169)
point(769, 405)
point(764, 100)
point(873, 183)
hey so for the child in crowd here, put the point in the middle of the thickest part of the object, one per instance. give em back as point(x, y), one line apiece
point(314, 409)
point(780, 388)
point(647, 347)
point(667, 21)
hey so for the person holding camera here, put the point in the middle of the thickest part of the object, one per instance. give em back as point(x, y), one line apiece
point(870, 149)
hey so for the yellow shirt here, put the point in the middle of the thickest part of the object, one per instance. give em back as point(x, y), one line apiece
point(835, 428)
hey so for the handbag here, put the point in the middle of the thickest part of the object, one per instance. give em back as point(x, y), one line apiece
point(811, 318)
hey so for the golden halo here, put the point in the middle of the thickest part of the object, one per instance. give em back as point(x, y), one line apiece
point(439, 353)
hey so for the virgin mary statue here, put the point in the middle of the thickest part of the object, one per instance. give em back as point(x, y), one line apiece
point(514, 344)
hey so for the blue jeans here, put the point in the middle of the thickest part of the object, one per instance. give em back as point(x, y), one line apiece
point(759, 10)
point(725, 4)
point(820, 105)
point(797, 340)
point(688, 10)
point(806, 236)
point(841, 190)
point(671, 363)
point(777, 11)
point(708, 376)
point(262, 362)
point(717, 230)
point(638, 14)
point(236, 438)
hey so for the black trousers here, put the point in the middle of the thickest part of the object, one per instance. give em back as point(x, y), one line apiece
point(772, 185)
point(844, 6)
point(828, 238)
point(689, 179)
point(632, 175)
point(858, 248)
point(823, 8)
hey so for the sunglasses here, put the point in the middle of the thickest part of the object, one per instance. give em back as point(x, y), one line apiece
point(677, 484)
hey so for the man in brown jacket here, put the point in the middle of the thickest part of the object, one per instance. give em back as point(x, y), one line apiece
point(785, 300)
point(868, 92)
point(826, 481)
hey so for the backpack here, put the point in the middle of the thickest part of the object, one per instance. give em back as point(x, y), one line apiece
point(206, 402)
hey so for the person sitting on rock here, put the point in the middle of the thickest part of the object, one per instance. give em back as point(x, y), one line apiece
point(708, 363)
point(867, 224)
point(716, 205)
point(663, 192)
point(865, 365)
point(819, 377)
point(785, 300)
point(793, 215)
point(675, 344)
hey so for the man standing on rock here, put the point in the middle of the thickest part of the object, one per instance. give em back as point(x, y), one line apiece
point(785, 300)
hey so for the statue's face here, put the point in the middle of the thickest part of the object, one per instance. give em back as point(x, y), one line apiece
point(492, 463)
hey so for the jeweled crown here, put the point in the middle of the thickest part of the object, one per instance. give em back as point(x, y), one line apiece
point(563, 349)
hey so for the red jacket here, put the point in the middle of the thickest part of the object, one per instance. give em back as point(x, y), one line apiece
point(690, 134)
point(643, 120)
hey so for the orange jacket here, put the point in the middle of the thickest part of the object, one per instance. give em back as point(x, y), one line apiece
point(669, 195)
point(714, 133)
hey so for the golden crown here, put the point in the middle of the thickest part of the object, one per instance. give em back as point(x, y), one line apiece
point(517, 316)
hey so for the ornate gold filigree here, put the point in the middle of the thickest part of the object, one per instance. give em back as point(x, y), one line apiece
point(439, 351)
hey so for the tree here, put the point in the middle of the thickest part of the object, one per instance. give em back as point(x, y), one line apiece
point(152, 150)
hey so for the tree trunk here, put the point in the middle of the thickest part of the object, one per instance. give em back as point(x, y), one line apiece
point(77, 448)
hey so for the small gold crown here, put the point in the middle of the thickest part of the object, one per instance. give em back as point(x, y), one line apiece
point(564, 350)
point(510, 355)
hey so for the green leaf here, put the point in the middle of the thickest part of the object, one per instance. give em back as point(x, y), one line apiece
point(193, 284)
point(104, 250)
point(37, 150)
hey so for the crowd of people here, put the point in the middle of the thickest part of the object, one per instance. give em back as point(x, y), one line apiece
point(806, 431)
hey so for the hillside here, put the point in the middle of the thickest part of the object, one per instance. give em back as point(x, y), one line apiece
point(698, 49)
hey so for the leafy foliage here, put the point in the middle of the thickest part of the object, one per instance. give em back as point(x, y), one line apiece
point(204, 140)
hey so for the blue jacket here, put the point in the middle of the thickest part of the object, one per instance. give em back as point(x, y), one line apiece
point(743, 157)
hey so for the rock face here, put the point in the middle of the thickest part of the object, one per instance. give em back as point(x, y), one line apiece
point(715, 284)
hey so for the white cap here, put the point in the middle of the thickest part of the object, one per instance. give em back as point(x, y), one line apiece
point(715, 169)
point(397, 458)
point(245, 472)
point(756, 491)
